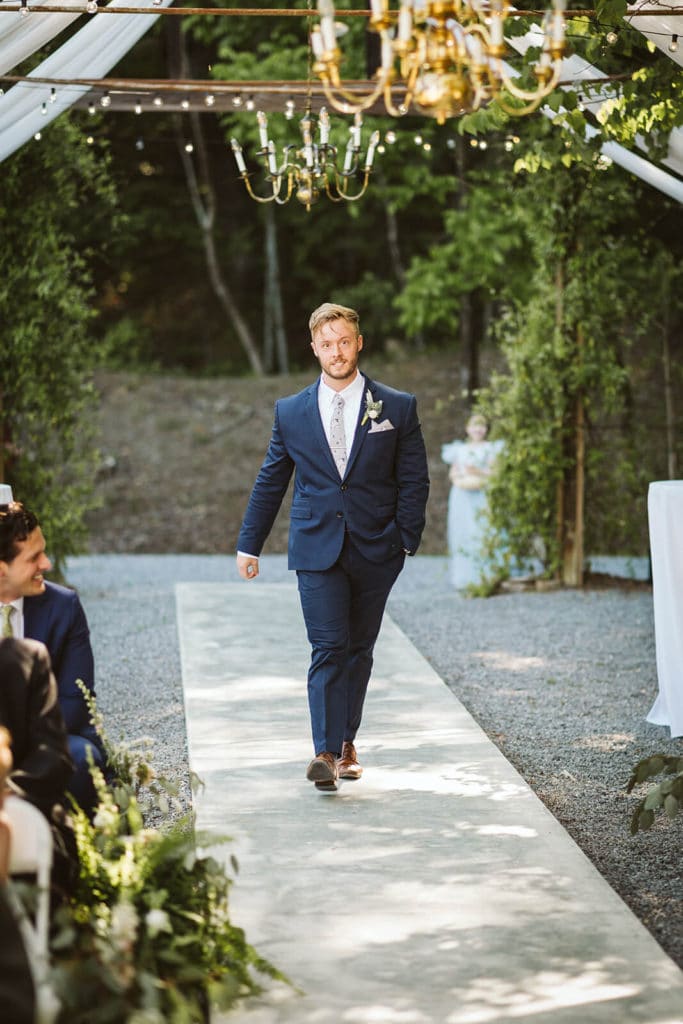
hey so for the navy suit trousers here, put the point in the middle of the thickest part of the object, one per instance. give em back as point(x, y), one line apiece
point(343, 608)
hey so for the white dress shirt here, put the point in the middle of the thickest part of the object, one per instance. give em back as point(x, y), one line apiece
point(353, 396)
point(17, 619)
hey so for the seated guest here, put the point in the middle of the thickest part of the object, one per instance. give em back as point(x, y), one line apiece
point(17, 994)
point(41, 764)
point(33, 608)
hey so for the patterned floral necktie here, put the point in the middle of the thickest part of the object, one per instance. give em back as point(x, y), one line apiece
point(7, 610)
point(338, 434)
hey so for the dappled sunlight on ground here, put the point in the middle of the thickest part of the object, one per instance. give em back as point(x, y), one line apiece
point(505, 661)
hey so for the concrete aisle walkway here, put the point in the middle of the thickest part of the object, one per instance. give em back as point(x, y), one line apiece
point(437, 889)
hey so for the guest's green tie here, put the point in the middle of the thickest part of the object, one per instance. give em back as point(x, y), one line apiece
point(7, 610)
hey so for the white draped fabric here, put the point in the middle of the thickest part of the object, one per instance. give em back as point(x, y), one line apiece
point(665, 513)
point(20, 37)
point(90, 53)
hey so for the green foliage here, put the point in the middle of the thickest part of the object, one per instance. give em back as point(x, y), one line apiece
point(55, 197)
point(478, 252)
point(147, 935)
point(591, 300)
point(667, 795)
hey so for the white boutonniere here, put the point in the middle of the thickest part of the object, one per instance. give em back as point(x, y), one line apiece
point(372, 409)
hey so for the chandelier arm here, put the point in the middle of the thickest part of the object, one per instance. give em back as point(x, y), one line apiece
point(527, 94)
point(350, 102)
point(407, 100)
point(352, 198)
point(330, 194)
point(257, 198)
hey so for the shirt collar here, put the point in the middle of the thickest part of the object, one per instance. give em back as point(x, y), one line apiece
point(352, 390)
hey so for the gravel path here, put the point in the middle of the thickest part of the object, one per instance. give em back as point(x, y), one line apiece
point(560, 681)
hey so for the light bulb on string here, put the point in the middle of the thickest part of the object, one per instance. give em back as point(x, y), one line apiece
point(249, 104)
point(91, 7)
point(91, 108)
point(189, 148)
point(53, 95)
point(139, 144)
point(237, 101)
point(185, 104)
point(105, 100)
point(138, 107)
point(158, 101)
point(673, 45)
point(38, 136)
point(43, 109)
point(209, 99)
point(24, 10)
point(611, 37)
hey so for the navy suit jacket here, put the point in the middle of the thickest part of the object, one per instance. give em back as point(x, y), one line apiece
point(57, 619)
point(380, 501)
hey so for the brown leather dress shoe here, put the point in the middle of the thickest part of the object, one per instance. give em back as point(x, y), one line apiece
point(323, 771)
point(347, 764)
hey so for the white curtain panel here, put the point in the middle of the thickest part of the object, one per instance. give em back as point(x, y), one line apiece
point(665, 518)
point(22, 36)
point(90, 53)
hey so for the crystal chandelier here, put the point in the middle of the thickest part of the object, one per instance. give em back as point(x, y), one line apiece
point(445, 56)
point(310, 170)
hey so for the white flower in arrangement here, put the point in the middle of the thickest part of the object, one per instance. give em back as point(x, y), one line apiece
point(157, 921)
point(107, 817)
point(124, 924)
point(372, 408)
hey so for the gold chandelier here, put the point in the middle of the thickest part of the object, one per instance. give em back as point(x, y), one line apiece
point(310, 170)
point(445, 55)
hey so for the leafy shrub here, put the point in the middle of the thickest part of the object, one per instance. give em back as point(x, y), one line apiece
point(667, 795)
point(147, 936)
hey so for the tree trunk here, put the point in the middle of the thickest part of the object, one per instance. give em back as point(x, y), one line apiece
point(277, 342)
point(573, 488)
point(469, 348)
point(204, 205)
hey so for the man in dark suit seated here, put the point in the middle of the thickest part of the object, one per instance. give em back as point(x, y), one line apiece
point(33, 608)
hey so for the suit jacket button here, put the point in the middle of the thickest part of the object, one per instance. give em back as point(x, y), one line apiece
point(340, 515)
point(344, 486)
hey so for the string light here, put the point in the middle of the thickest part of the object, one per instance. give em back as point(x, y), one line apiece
point(105, 100)
point(138, 107)
point(673, 45)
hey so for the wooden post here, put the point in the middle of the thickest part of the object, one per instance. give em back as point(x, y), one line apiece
point(574, 488)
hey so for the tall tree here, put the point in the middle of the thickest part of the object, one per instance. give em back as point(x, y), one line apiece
point(58, 208)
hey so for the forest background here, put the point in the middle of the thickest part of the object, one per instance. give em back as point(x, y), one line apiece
point(495, 261)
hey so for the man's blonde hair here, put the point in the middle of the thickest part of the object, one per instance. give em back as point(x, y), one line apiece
point(332, 311)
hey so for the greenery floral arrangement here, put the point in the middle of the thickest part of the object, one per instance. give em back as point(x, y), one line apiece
point(146, 938)
point(667, 795)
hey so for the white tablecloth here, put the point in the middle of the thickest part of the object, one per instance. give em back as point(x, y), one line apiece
point(665, 514)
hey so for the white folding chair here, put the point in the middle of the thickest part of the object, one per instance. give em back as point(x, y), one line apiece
point(31, 854)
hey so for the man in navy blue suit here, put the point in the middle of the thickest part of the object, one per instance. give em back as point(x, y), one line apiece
point(358, 508)
point(33, 608)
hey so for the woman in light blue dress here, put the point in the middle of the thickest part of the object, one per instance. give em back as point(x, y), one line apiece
point(471, 463)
